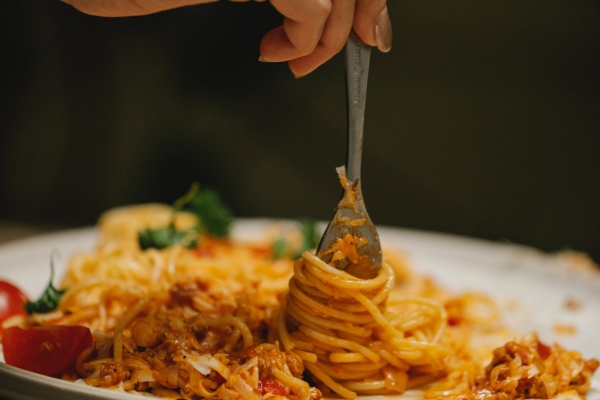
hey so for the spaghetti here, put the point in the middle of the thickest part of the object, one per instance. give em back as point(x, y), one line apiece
point(225, 320)
point(341, 321)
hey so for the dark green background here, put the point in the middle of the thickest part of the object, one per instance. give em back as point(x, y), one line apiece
point(484, 120)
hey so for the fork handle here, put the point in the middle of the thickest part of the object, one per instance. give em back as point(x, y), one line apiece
point(357, 55)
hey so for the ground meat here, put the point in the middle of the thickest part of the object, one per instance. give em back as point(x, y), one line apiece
point(269, 357)
point(112, 374)
point(315, 394)
point(530, 369)
point(295, 363)
point(183, 292)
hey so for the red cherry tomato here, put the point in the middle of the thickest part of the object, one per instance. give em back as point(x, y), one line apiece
point(271, 386)
point(11, 301)
point(47, 350)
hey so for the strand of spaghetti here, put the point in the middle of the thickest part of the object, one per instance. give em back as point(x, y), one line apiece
point(345, 282)
point(326, 347)
point(322, 287)
point(284, 335)
point(361, 367)
point(419, 335)
point(395, 361)
point(88, 285)
point(374, 311)
point(378, 299)
point(233, 339)
point(300, 320)
point(171, 265)
point(229, 320)
point(328, 323)
point(158, 262)
point(118, 335)
point(418, 310)
point(346, 344)
point(289, 379)
point(441, 327)
point(314, 260)
point(410, 356)
point(410, 298)
point(306, 356)
point(333, 275)
point(412, 324)
point(362, 339)
point(320, 352)
point(340, 372)
point(330, 383)
point(306, 346)
point(409, 344)
point(80, 315)
point(299, 273)
point(297, 293)
point(347, 358)
point(312, 291)
point(81, 359)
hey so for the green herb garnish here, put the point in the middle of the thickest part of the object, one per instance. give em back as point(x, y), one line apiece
point(162, 238)
point(215, 218)
point(50, 298)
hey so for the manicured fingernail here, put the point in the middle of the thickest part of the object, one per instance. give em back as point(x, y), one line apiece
point(261, 59)
point(383, 32)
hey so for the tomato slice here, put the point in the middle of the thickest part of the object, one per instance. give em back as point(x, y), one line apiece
point(11, 301)
point(271, 386)
point(47, 350)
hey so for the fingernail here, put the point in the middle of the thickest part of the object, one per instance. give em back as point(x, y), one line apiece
point(261, 59)
point(383, 32)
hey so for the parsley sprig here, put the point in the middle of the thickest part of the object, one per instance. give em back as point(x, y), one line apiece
point(51, 296)
point(168, 236)
point(215, 219)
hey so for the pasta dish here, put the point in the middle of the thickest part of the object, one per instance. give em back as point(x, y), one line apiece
point(204, 316)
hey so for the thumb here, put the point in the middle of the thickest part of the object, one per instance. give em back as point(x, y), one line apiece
point(372, 23)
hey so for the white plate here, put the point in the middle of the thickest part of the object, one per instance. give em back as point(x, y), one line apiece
point(539, 283)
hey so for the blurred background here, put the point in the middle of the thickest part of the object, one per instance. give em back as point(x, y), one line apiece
point(483, 120)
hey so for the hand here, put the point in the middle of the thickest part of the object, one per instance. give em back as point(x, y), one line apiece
point(313, 31)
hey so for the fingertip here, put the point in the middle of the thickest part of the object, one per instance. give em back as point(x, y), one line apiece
point(383, 32)
point(271, 45)
point(372, 23)
point(305, 65)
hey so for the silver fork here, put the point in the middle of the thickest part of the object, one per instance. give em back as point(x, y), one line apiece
point(357, 55)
